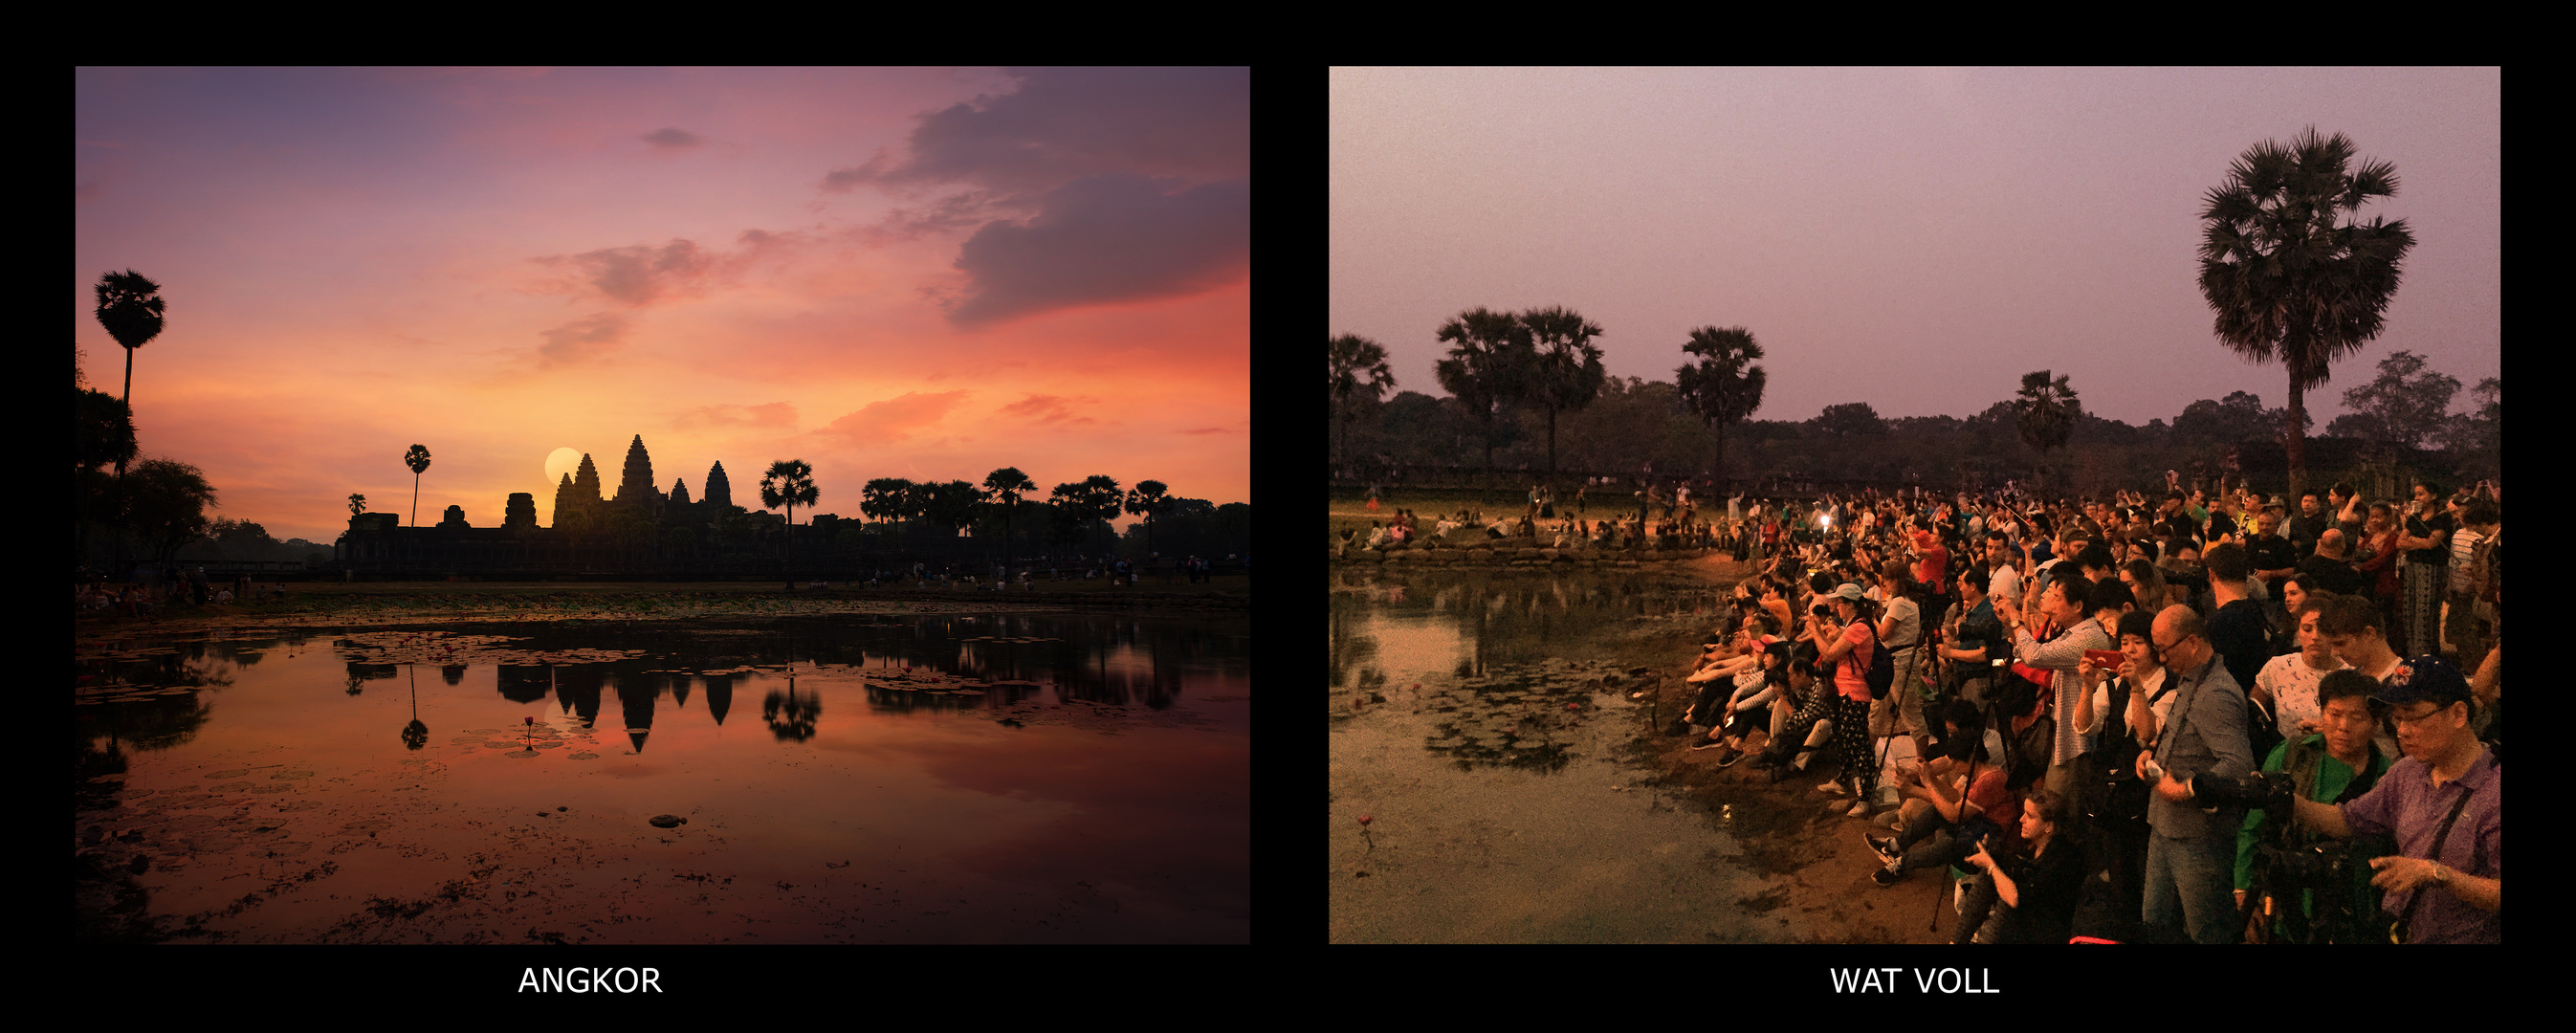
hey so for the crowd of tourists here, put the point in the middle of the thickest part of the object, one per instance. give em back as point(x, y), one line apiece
point(149, 592)
point(2202, 715)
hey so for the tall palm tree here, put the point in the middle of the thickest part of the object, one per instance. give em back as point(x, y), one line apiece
point(2286, 282)
point(1350, 357)
point(1488, 366)
point(130, 307)
point(2048, 410)
point(1565, 366)
point(418, 460)
point(789, 483)
point(1724, 386)
point(1147, 500)
point(1006, 484)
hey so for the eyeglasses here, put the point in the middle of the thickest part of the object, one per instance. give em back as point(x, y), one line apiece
point(2410, 719)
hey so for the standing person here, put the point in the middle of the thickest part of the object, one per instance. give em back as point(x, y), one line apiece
point(1900, 628)
point(2273, 558)
point(2337, 764)
point(2380, 562)
point(2237, 627)
point(2190, 850)
point(1843, 639)
point(1971, 638)
point(2427, 542)
point(2444, 803)
point(2304, 529)
point(2287, 684)
point(2478, 521)
point(2064, 605)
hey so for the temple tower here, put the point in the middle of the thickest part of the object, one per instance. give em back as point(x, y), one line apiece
point(719, 492)
point(564, 500)
point(521, 512)
point(679, 493)
point(585, 484)
point(635, 488)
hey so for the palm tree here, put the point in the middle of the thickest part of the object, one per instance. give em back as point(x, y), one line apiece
point(357, 504)
point(1724, 387)
point(2048, 410)
point(1488, 368)
point(1565, 366)
point(130, 307)
point(2285, 281)
point(1147, 500)
point(1350, 357)
point(1006, 484)
point(789, 483)
point(418, 460)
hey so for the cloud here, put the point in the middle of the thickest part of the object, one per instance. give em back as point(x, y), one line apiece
point(641, 275)
point(583, 339)
point(674, 139)
point(1049, 409)
point(895, 419)
point(774, 414)
point(1066, 123)
point(1111, 237)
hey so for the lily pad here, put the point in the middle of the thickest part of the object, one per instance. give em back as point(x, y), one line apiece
point(585, 756)
point(521, 754)
point(235, 773)
point(292, 774)
point(669, 821)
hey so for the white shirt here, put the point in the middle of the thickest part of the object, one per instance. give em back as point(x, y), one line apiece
point(2293, 685)
point(2006, 584)
point(2148, 684)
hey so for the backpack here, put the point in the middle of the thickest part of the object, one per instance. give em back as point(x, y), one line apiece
point(1882, 671)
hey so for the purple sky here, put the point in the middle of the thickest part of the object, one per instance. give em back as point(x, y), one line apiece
point(1912, 238)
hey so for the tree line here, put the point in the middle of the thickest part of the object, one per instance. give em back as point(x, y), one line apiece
point(2289, 271)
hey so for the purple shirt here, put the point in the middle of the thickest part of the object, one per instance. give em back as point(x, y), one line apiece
point(2406, 803)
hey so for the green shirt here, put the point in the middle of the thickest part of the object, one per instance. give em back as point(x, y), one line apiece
point(2332, 776)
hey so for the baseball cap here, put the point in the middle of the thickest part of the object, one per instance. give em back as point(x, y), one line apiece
point(1849, 591)
point(2428, 678)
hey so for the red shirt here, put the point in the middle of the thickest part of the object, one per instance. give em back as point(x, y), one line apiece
point(2000, 805)
point(1935, 564)
point(1851, 676)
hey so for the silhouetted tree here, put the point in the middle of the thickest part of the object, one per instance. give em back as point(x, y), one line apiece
point(2400, 407)
point(2046, 411)
point(886, 498)
point(2286, 282)
point(357, 504)
point(1565, 367)
point(130, 307)
point(166, 502)
point(789, 483)
point(1349, 358)
point(1724, 386)
point(1146, 501)
point(1488, 366)
point(418, 460)
point(1004, 486)
point(1850, 419)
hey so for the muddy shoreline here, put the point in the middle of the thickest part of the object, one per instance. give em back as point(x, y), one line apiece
point(1630, 837)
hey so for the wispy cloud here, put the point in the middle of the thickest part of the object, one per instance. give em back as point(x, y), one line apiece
point(582, 340)
point(1050, 409)
point(674, 139)
point(895, 419)
point(774, 414)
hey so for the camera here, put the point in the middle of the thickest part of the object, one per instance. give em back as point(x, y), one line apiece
point(2268, 790)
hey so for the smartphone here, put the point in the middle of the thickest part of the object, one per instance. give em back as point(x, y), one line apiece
point(2106, 659)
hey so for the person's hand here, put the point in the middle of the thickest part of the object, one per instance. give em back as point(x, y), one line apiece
point(2240, 900)
point(2141, 765)
point(1981, 859)
point(2308, 727)
point(2172, 790)
point(2398, 874)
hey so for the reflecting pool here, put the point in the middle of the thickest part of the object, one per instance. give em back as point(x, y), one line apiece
point(1020, 778)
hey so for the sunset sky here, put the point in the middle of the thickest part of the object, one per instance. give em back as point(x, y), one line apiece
point(1916, 239)
point(925, 274)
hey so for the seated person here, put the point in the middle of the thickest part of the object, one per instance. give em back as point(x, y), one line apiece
point(1800, 725)
point(1960, 807)
point(1745, 707)
point(2037, 888)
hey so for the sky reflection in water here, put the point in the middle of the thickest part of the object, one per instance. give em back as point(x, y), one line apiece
point(850, 802)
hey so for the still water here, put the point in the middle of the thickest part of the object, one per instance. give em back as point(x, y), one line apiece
point(945, 779)
point(1481, 721)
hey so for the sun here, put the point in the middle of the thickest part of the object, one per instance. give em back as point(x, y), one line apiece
point(560, 462)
